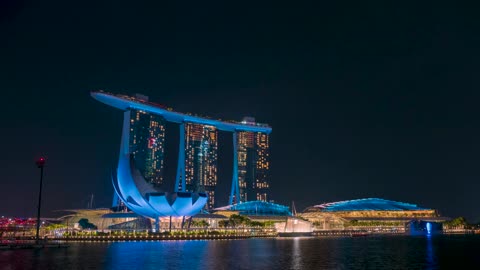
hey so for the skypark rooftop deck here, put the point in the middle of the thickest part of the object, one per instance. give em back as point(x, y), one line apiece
point(125, 102)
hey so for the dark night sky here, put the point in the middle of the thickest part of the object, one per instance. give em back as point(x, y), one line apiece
point(365, 100)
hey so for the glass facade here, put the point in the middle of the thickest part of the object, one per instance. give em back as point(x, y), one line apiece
point(147, 144)
point(201, 145)
point(253, 165)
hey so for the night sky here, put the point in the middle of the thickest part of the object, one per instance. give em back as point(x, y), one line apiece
point(365, 100)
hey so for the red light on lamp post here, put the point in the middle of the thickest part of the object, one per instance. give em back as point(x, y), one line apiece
point(40, 162)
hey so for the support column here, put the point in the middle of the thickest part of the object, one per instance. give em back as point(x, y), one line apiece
point(180, 179)
point(189, 223)
point(125, 143)
point(157, 224)
point(124, 150)
point(235, 188)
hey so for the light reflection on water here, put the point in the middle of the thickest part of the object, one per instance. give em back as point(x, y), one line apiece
point(296, 254)
point(154, 255)
point(431, 262)
point(398, 252)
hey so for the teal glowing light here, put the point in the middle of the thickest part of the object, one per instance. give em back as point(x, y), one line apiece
point(258, 208)
point(368, 204)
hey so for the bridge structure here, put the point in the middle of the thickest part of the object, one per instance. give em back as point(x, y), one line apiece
point(127, 103)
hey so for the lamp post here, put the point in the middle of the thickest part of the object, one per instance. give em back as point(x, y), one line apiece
point(40, 163)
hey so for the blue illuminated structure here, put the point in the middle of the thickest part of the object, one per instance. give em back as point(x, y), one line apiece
point(373, 204)
point(144, 198)
point(126, 103)
point(258, 208)
point(424, 227)
point(150, 200)
point(235, 191)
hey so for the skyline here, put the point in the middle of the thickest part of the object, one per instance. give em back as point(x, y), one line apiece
point(380, 107)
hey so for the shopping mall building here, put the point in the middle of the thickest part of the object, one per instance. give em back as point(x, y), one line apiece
point(371, 214)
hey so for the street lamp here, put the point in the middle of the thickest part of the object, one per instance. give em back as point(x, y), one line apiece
point(40, 164)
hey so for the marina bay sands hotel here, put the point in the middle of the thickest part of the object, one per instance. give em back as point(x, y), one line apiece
point(145, 125)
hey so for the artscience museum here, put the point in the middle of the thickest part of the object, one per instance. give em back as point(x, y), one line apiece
point(144, 199)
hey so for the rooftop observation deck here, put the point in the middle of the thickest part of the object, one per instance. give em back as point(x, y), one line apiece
point(125, 102)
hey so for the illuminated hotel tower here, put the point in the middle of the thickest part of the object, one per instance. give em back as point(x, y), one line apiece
point(201, 144)
point(147, 144)
point(198, 145)
point(253, 164)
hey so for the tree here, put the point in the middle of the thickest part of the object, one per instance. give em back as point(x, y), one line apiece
point(53, 226)
point(353, 222)
point(237, 220)
point(85, 224)
point(257, 224)
point(269, 223)
point(223, 223)
point(200, 223)
point(456, 222)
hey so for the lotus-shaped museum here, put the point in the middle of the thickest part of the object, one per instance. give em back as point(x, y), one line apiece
point(144, 199)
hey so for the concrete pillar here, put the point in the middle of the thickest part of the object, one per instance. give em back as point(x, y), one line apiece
point(157, 224)
point(180, 179)
point(235, 188)
point(124, 149)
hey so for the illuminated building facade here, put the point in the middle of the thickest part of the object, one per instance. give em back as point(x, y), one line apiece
point(142, 157)
point(147, 144)
point(369, 213)
point(256, 208)
point(253, 165)
point(201, 144)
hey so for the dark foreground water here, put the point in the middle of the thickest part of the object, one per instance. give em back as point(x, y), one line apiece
point(395, 252)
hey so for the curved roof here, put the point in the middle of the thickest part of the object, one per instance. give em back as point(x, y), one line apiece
point(143, 199)
point(124, 102)
point(258, 208)
point(368, 204)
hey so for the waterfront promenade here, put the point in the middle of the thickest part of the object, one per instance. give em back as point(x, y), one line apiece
point(27, 242)
point(55, 241)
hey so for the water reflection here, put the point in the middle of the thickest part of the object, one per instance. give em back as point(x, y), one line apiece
point(155, 255)
point(275, 253)
point(430, 258)
point(296, 254)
